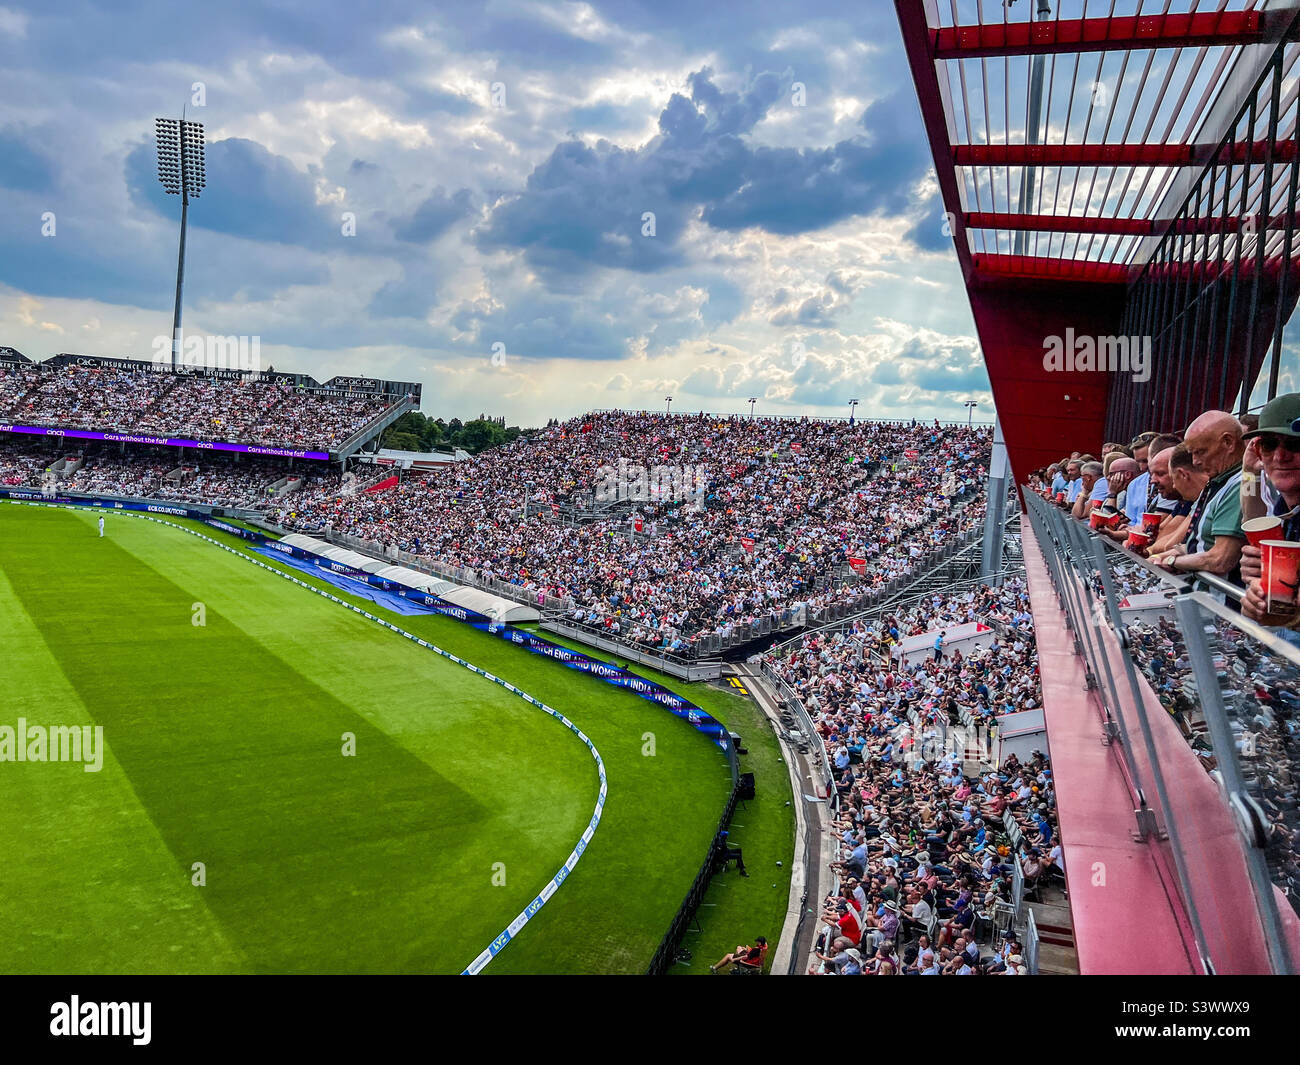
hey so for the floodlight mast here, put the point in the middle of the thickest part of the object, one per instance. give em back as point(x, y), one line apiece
point(182, 173)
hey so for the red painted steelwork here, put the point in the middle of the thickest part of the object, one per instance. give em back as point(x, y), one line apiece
point(1119, 154)
point(1108, 34)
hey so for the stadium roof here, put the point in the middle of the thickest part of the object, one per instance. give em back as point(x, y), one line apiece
point(1084, 148)
point(1065, 143)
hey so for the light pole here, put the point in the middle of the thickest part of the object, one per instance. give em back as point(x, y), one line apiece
point(1028, 176)
point(752, 401)
point(669, 401)
point(970, 411)
point(852, 406)
point(181, 171)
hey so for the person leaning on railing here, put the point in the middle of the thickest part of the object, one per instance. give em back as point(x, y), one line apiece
point(1276, 446)
point(1120, 471)
point(1214, 538)
point(1094, 489)
point(1178, 486)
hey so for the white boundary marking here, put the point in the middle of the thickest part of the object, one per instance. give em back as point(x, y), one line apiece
point(528, 912)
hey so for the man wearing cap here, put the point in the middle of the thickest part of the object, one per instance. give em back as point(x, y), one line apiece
point(1277, 443)
point(1214, 538)
point(884, 927)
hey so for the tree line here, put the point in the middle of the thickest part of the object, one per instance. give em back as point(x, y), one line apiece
point(415, 431)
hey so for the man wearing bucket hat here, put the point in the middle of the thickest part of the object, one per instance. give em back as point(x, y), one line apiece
point(1277, 443)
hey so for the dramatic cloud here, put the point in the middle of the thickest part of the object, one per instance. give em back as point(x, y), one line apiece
point(629, 200)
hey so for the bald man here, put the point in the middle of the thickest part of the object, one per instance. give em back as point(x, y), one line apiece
point(1214, 537)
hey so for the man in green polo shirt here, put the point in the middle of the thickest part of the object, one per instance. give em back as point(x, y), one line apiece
point(1277, 444)
point(1214, 537)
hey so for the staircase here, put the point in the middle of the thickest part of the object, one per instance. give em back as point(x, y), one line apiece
point(1057, 955)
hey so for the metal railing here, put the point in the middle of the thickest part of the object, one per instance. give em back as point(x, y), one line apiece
point(789, 700)
point(374, 427)
point(1245, 681)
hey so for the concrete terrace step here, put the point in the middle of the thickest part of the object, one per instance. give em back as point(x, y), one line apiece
point(1057, 954)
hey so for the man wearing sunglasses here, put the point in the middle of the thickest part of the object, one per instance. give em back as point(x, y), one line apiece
point(1277, 443)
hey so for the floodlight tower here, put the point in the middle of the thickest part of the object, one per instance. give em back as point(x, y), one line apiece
point(181, 171)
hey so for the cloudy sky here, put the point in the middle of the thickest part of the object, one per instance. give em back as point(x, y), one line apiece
point(620, 200)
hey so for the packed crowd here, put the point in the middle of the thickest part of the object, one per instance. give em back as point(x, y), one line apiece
point(922, 847)
point(755, 518)
point(1204, 502)
point(214, 479)
point(849, 678)
point(745, 519)
point(106, 399)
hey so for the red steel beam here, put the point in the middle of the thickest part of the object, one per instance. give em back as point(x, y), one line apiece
point(1044, 268)
point(1122, 33)
point(1118, 227)
point(1048, 223)
point(1047, 268)
point(1204, 273)
point(1119, 154)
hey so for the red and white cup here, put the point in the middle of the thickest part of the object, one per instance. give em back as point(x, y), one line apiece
point(1060, 497)
point(1139, 538)
point(1151, 520)
point(1258, 530)
point(1280, 579)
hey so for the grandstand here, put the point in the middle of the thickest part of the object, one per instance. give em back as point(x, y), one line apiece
point(252, 412)
point(795, 516)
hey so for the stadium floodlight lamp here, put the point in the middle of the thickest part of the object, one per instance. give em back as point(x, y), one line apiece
point(183, 173)
point(752, 401)
point(669, 401)
point(852, 406)
point(970, 411)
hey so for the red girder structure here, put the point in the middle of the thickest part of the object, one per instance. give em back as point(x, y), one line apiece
point(1033, 269)
point(1122, 227)
point(1114, 34)
point(1284, 151)
point(1045, 268)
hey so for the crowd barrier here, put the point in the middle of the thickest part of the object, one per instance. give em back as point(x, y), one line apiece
point(1244, 679)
